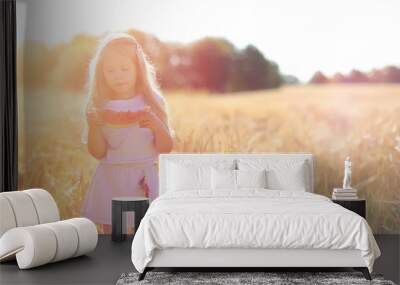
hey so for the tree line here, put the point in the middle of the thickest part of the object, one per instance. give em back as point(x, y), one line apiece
point(213, 64)
point(387, 74)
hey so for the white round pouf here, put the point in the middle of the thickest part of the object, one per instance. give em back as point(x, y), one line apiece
point(46, 207)
point(33, 246)
point(23, 208)
point(7, 216)
point(31, 233)
point(67, 240)
point(51, 242)
point(87, 234)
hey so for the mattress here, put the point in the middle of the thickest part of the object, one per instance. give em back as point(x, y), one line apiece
point(250, 219)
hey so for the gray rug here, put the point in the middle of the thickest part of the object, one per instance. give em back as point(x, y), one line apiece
point(228, 278)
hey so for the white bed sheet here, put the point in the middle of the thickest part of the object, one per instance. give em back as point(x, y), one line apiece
point(252, 218)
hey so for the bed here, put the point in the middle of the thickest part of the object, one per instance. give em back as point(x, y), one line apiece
point(247, 210)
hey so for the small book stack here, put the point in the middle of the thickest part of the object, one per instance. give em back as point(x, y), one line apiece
point(344, 194)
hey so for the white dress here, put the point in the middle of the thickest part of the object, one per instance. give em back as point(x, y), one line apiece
point(131, 156)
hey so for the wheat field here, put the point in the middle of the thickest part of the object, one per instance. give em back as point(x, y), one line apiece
point(329, 121)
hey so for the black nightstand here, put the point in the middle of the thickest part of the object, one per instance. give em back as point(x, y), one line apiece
point(357, 206)
point(139, 205)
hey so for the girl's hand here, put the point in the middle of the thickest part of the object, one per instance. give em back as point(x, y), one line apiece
point(148, 119)
point(94, 119)
point(163, 141)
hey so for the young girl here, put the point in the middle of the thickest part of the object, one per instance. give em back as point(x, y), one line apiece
point(127, 126)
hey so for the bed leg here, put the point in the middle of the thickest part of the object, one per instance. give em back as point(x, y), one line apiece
point(143, 274)
point(364, 271)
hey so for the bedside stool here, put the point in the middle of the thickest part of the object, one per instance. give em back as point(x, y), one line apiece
point(119, 205)
point(358, 206)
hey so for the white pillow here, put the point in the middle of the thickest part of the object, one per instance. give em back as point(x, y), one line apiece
point(188, 177)
point(251, 178)
point(287, 179)
point(229, 179)
point(281, 174)
point(223, 179)
point(176, 176)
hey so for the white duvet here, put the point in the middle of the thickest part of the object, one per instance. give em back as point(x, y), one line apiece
point(251, 218)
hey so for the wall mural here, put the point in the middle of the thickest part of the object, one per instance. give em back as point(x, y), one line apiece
point(127, 125)
point(100, 100)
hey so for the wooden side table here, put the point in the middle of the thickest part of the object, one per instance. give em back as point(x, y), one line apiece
point(139, 205)
point(358, 206)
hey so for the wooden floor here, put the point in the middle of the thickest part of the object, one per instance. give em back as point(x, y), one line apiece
point(110, 260)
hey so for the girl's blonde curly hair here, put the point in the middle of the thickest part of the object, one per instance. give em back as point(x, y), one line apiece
point(98, 92)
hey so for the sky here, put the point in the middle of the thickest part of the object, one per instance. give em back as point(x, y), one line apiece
point(301, 36)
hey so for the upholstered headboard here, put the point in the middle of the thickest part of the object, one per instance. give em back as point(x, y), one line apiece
point(164, 159)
